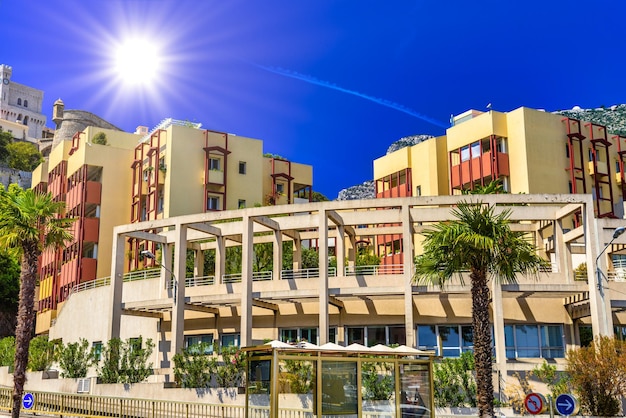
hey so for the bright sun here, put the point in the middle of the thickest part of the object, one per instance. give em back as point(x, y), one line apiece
point(137, 61)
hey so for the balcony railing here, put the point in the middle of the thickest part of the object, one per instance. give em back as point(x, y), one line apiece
point(374, 270)
point(306, 273)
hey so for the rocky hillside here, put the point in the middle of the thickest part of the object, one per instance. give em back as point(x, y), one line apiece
point(613, 117)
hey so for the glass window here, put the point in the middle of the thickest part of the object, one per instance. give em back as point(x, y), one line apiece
point(465, 153)
point(310, 335)
point(213, 203)
point(96, 347)
point(418, 190)
point(467, 335)
point(242, 167)
point(289, 335)
point(527, 340)
point(19, 102)
point(551, 341)
point(475, 150)
point(332, 335)
point(230, 340)
point(205, 341)
point(280, 188)
point(214, 163)
point(356, 335)
point(376, 335)
point(450, 341)
point(427, 338)
point(397, 335)
point(241, 203)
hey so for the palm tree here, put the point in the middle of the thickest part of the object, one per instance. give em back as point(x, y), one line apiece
point(481, 242)
point(29, 223)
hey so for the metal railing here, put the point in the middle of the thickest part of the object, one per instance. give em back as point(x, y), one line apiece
point(306, 273)
point(199, 281)
point(256, 276)
point(78, 405)
point(142, 274)
point(374, 270)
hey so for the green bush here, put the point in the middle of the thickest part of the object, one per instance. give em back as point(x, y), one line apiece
point(40, 353)
point(378, 380)
point(191, 367)
point(75, 358)
point(455, 381)
point(125, 361)
point(7, 351)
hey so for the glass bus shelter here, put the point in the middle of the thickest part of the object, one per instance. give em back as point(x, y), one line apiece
point(310, 381)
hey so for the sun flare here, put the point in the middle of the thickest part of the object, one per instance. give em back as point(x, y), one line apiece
point(137, 61)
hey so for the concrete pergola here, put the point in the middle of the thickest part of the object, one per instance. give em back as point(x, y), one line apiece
point(543, 217)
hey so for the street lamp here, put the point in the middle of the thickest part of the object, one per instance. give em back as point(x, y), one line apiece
point(618, 231)
point(150, 255)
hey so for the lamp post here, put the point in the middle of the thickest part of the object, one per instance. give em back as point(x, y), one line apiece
point(149, 254)
point(618, 231)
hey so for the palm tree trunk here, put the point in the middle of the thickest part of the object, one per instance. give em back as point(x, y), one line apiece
point(482, 343)
point(25, 321)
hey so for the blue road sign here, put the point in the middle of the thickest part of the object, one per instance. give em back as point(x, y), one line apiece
point(566, 404)
point(28, 401)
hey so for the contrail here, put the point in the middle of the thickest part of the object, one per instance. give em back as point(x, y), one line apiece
point(384, 102)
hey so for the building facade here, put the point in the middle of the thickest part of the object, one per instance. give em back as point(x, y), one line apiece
point(108, 177)
point(21, 104)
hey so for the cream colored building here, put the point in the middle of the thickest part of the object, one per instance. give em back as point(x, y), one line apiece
point(175, 169)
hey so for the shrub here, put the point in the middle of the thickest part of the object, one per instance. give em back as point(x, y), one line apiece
point(100, 138)
point(230, 371)
point(191, 367)
point(378, 381)
point(40, 353)
point(598, 374)
point(7, 351)
point(75, 358)
point(125, 361)
point(455, 382)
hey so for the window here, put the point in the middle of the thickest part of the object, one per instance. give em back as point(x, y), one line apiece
point(418, 190)
point(590, 154)
point(280, 188)
point(135, 344)
point(293, 335)
point(214, 164)
point(566, 150)
point(241, 203)
point(454, 339)
point(617, 167)
point(213, 203)
point(230, 340)
point(465, 153)
point(475, 151)
point(289, 335)
point(242, 167)
point(534, 341)
point(199, 341)
point(25, 103)
point(96, 347)
point(376, 334)
point(19, 102)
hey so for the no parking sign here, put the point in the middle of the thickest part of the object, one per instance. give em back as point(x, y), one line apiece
point(535, 403)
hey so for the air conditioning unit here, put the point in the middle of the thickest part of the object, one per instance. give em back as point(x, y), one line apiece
point(84, 385)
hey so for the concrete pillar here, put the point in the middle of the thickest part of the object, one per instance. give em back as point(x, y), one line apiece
point(562, 252)
point(220, 258)
point(297, 254)
point(277, 247)
point(198, 263)
point(408, 267)
point(352, 253)
point(323, 280)
point(247, 243)
point(117, 282)
point(498, 326)
point(340, 250)
point(166, 274)
point(178, 289)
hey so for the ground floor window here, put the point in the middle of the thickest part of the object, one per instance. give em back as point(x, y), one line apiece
point(230, 340)
point(204, 340)
point(446, 340)
point(294, 335)
point(534, 341)
point(372, 335)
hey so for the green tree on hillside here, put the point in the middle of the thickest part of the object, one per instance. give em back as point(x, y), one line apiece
point(23, 156)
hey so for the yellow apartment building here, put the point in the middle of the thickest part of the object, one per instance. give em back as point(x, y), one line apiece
point(108, 178)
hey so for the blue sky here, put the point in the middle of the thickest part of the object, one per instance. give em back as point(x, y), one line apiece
point(331, 83)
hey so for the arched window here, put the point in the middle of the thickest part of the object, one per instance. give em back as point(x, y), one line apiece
point(19, 117)
point(25, 103)
point(25, 120)
point(19, 102)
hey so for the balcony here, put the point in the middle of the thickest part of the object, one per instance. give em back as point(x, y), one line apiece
point(215, 177)
point(89, 194)
point(477, 168)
